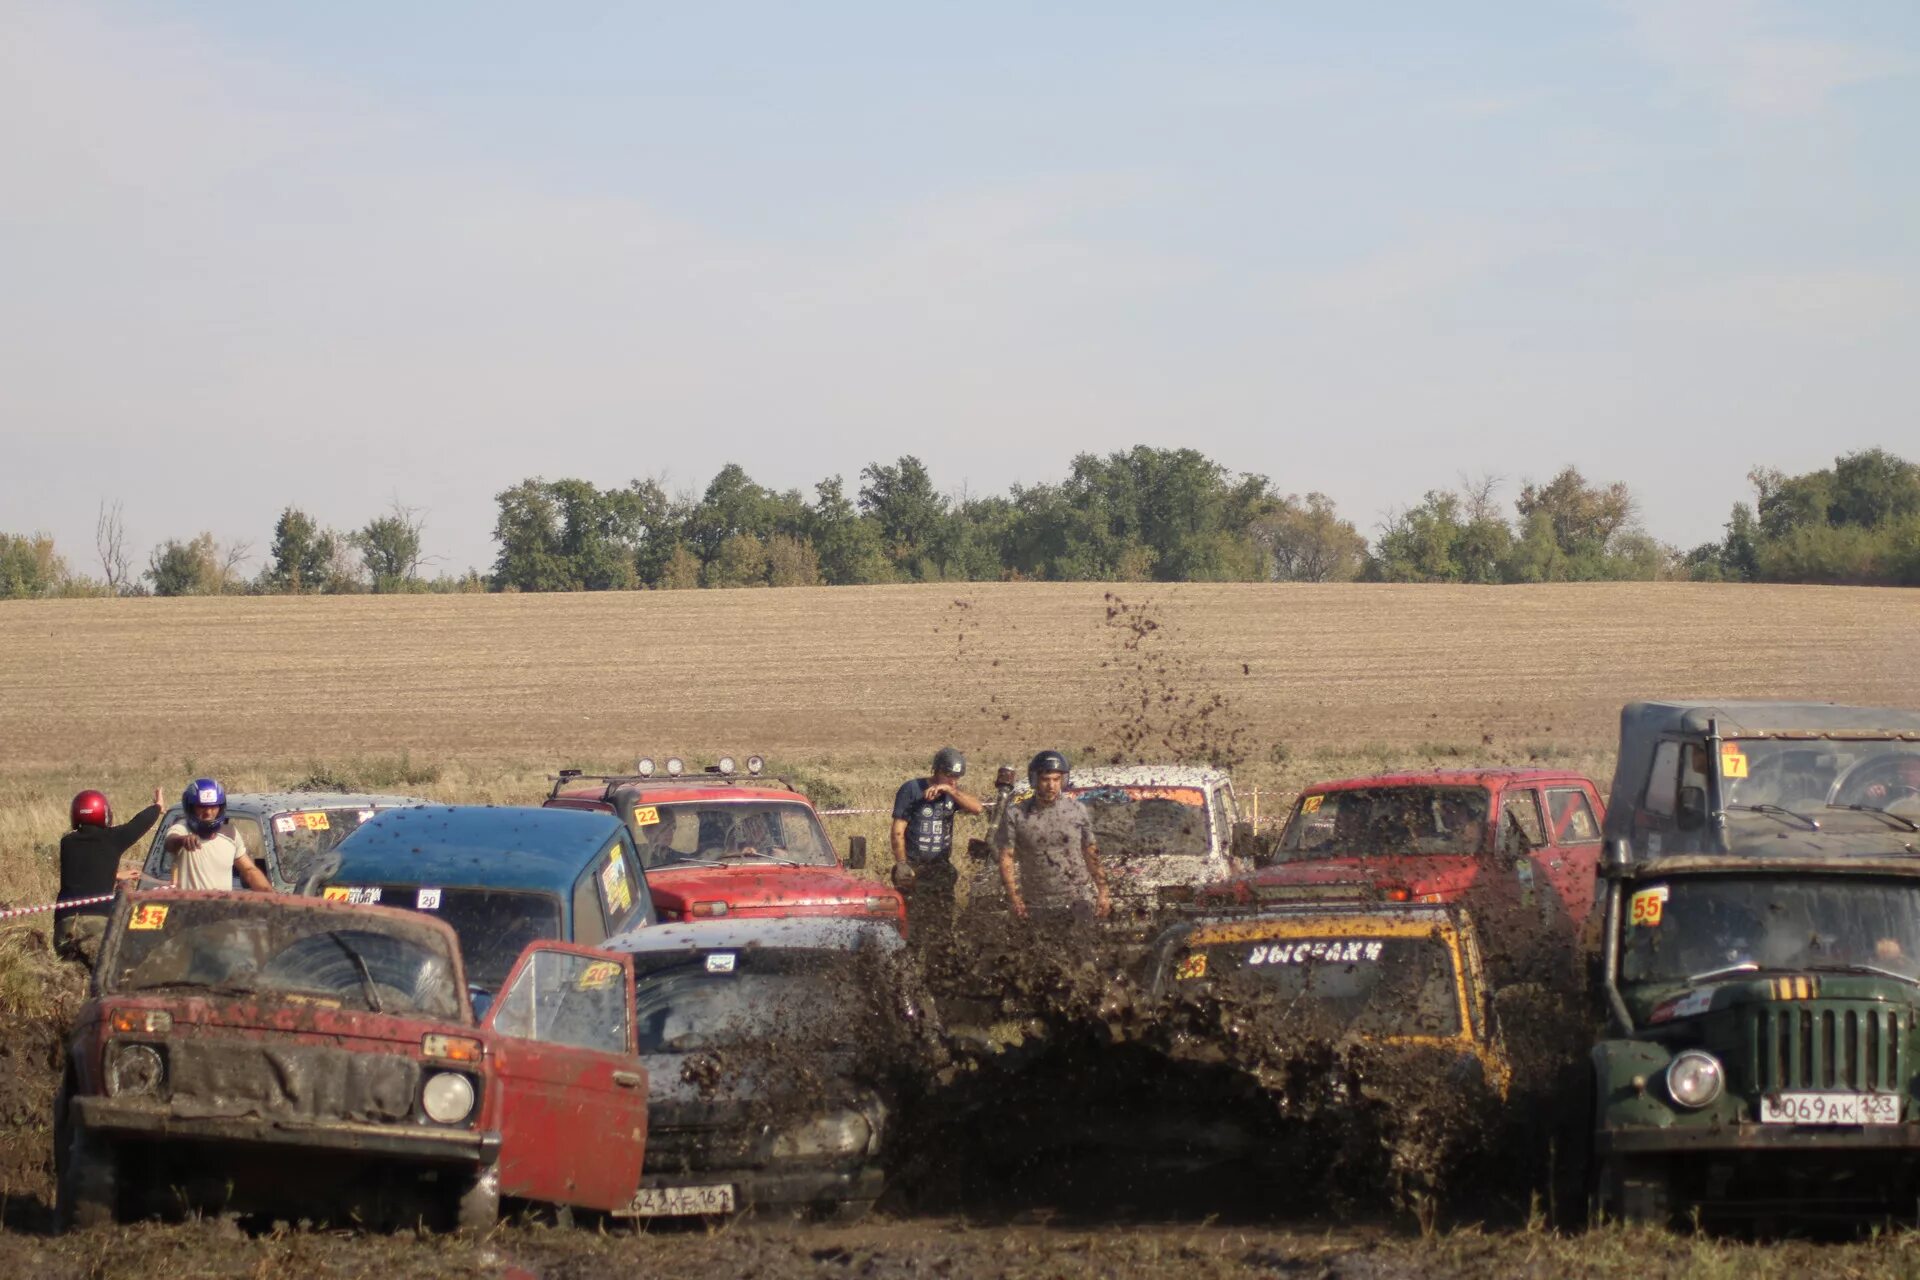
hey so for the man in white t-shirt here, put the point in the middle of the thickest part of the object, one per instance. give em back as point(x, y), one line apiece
point(207, 851)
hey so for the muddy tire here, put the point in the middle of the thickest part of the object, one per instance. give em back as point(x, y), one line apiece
point(842, 1211)
point(87, 1186)
point(476, 1207)
point(1637, 1191)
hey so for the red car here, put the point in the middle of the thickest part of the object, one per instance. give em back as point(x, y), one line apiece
point(721, 845)
point(1433, 837)
point(306, 1058)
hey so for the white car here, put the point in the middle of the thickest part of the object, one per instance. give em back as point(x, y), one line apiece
point(1162, 829)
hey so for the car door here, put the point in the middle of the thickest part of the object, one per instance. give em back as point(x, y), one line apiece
point(573, 1098)
point(1523, 837)
point(1573, 845)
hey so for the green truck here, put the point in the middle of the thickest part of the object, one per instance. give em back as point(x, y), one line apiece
point(1760, 964)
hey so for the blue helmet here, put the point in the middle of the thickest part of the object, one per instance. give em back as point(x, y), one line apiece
point(201, 792)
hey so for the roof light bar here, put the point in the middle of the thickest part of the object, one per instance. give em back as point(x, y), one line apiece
point(645, 767)
point(675, 766)
point(725, 764)
point(754, 765)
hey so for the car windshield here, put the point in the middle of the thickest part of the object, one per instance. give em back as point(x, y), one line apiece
point(276, 946)
point(1807, 775)
point(764, 832)
point(1372, 986)
point(300, 836)
point(1395, 820)
point(689, 1002)
point(494, 925)
point(1684, 928)
point(1136, 821)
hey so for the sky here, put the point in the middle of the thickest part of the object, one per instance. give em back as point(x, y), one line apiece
point(344, 255)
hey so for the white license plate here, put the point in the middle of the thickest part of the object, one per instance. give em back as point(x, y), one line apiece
point(1830, 1108)
point(681, 1202)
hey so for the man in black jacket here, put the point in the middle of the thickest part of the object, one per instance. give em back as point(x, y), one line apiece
point(90, 866)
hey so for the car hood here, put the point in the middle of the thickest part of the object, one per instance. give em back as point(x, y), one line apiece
point(1435, 877)
point(222, 1013)
point(763, 885)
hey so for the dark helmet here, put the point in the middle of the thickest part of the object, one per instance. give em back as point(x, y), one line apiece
point(199, 792)
point(90, 809)
point(949, 761)
point(1045, 762)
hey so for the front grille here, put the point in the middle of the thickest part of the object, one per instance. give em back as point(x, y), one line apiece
point(688, 1149)
point(1860, 1048)
point(286, 1080)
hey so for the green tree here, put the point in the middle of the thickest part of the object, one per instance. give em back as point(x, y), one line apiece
point(185, 568)
point(911, 517)
point(301, 557)
point(680, 571)
point(29, 566)
point(390, 549)
point(848, 544)
point(1873, 488)
point(740, 562)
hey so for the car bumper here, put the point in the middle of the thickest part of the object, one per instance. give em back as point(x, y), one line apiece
point(118, 1118)
point(778, 1188)
point(1759, 1137)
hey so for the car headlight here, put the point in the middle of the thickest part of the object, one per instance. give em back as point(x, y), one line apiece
point(1695, 1078)
point(843, 1133)
point(134, 1070)
point(447, 1097)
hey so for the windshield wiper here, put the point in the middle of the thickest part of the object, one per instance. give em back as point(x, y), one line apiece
point(194, 984)
point(1779, 811)
point(755, 853)
point(686, 860)
point(1878, 812)
point(1745, 966)
point(366, 974)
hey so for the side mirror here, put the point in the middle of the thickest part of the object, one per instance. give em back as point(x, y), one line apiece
point(1690, 811)
point(856, 853)
point(979, 850)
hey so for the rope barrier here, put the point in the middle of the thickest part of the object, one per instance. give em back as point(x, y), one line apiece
point(11, 912)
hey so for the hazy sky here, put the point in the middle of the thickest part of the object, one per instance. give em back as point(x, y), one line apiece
point(330, 254)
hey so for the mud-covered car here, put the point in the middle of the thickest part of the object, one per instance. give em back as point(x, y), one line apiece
point(303, 1058)
point(287, 833)
point(1761, 964)
point(1520, 847)
point(725, 845)
point(767, 1043)
point(500, 876)
point(1387, 975)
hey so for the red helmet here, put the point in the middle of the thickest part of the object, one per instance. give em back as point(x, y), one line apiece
point(90, 809)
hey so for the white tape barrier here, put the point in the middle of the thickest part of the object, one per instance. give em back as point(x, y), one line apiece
point(10, 912)
point(850, 813)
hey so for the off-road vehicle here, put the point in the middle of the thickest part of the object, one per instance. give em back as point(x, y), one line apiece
point(1760, 963)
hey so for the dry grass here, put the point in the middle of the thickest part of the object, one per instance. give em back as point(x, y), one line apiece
point(475, 698)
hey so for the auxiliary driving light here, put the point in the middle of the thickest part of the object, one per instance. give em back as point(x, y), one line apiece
point(726, 765)
point(1695, 1078)
point(754, 765)
point(645, 767)
point(447, 1097)
point(675, 766)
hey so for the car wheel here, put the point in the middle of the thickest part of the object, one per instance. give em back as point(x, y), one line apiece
point(476, 1207)
point(841, 1211)
point(86, 1190)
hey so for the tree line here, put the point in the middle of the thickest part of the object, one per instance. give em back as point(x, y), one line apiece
point(1143, 514)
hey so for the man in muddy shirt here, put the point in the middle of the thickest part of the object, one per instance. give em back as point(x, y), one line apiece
point(1048, 856)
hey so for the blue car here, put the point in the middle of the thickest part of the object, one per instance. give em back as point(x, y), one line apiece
point(501, 876)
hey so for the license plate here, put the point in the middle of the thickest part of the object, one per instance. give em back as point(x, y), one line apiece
point(1830, 1108)
point(681, 1202)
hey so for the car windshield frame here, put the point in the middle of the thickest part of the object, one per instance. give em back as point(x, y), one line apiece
point(719, 832)
point(1806, 775)
point(1681, 928)
point(1302, 840)
point(1104, 804)
point(276, 949)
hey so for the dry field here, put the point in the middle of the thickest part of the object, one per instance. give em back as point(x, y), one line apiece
point(884, 671)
